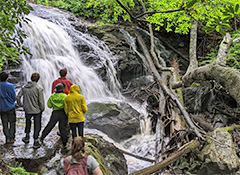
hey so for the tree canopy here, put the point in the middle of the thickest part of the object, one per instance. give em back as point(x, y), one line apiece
point(11, 38)
point(170, 15)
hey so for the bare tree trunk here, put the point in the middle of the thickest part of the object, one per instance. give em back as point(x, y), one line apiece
point(165, 88)
point(193, 64)
point(227, 77)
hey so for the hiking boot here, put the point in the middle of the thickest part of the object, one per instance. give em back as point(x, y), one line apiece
point(41, 140)
point(36, 144)
point(25, 139)
point(8, 141)
point(58, 133)
point(12, 141)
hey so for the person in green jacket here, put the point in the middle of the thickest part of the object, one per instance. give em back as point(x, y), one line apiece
point(56, 102)
point(75, 107)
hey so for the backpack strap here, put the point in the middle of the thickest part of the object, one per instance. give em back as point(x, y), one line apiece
point(67, 164)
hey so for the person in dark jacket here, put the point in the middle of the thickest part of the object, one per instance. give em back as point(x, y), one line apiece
point(7, 107)
point(56, 101)
point(33, 105)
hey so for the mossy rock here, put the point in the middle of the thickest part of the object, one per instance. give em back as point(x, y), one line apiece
point(110, 158)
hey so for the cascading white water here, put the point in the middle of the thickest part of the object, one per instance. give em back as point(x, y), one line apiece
point(53, 46)
point(52, 49)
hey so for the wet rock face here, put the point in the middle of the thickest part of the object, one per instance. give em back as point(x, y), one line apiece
point(119, 122)
point(220, 156)
point(214, 104)
point(44, 159)
point(121, 40)
point(111, 155)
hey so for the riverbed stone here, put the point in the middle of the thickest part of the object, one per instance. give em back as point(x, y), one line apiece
point(118, 121)
point(219, 154)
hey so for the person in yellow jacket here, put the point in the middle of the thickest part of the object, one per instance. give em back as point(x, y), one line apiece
point(75, 107)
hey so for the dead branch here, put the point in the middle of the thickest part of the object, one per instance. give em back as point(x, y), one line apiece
point(223, 50)
point(175, 156)
point(236, 40)
point(148, 13)
point(136, 156)
point(165, 88)
point(205, 125)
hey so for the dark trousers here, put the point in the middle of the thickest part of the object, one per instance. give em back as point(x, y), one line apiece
point(9, 123)
point(60, 117)
point(37, 124)
point(76, 126)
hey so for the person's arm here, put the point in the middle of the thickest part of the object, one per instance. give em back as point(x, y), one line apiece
point(65, 106)
point(93, 165)
point(84, 105)
point(53, 87)
point(97, 171)
point(13, 93)
point(41, 100)
point(49, 103)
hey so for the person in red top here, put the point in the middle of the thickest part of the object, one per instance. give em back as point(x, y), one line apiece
point(64, 80)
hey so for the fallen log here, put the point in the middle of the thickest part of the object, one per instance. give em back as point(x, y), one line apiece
point(174, 157)
point(136, 156)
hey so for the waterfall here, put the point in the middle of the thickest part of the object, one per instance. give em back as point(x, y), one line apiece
point(54, 43)
point(52, 48)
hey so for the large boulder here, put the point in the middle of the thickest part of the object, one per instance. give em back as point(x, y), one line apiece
point(111, 159)
point(219, 154)
point(119, 122)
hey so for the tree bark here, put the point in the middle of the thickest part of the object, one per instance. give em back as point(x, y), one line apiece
point(165, 88)
point(193, 64)
point(225, 76)
point(175, 156)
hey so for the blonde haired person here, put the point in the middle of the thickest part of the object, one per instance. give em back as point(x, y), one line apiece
point(78, 158)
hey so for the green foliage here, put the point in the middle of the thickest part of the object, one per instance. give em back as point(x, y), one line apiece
point(11, 38)
point(19, 170)
point(215, 15)
point(98, 10)
point(233, 59)
point(211, 56)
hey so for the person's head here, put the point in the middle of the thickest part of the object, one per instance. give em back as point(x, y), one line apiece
point(59, 87)
point(63, 72)
point(78, 146)
point(3, 76)
point(35, 77)
point(74, 89)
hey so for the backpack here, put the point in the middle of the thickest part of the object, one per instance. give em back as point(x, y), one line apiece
point(79, 168)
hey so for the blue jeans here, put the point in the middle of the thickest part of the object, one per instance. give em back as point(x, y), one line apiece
point(9, 123)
